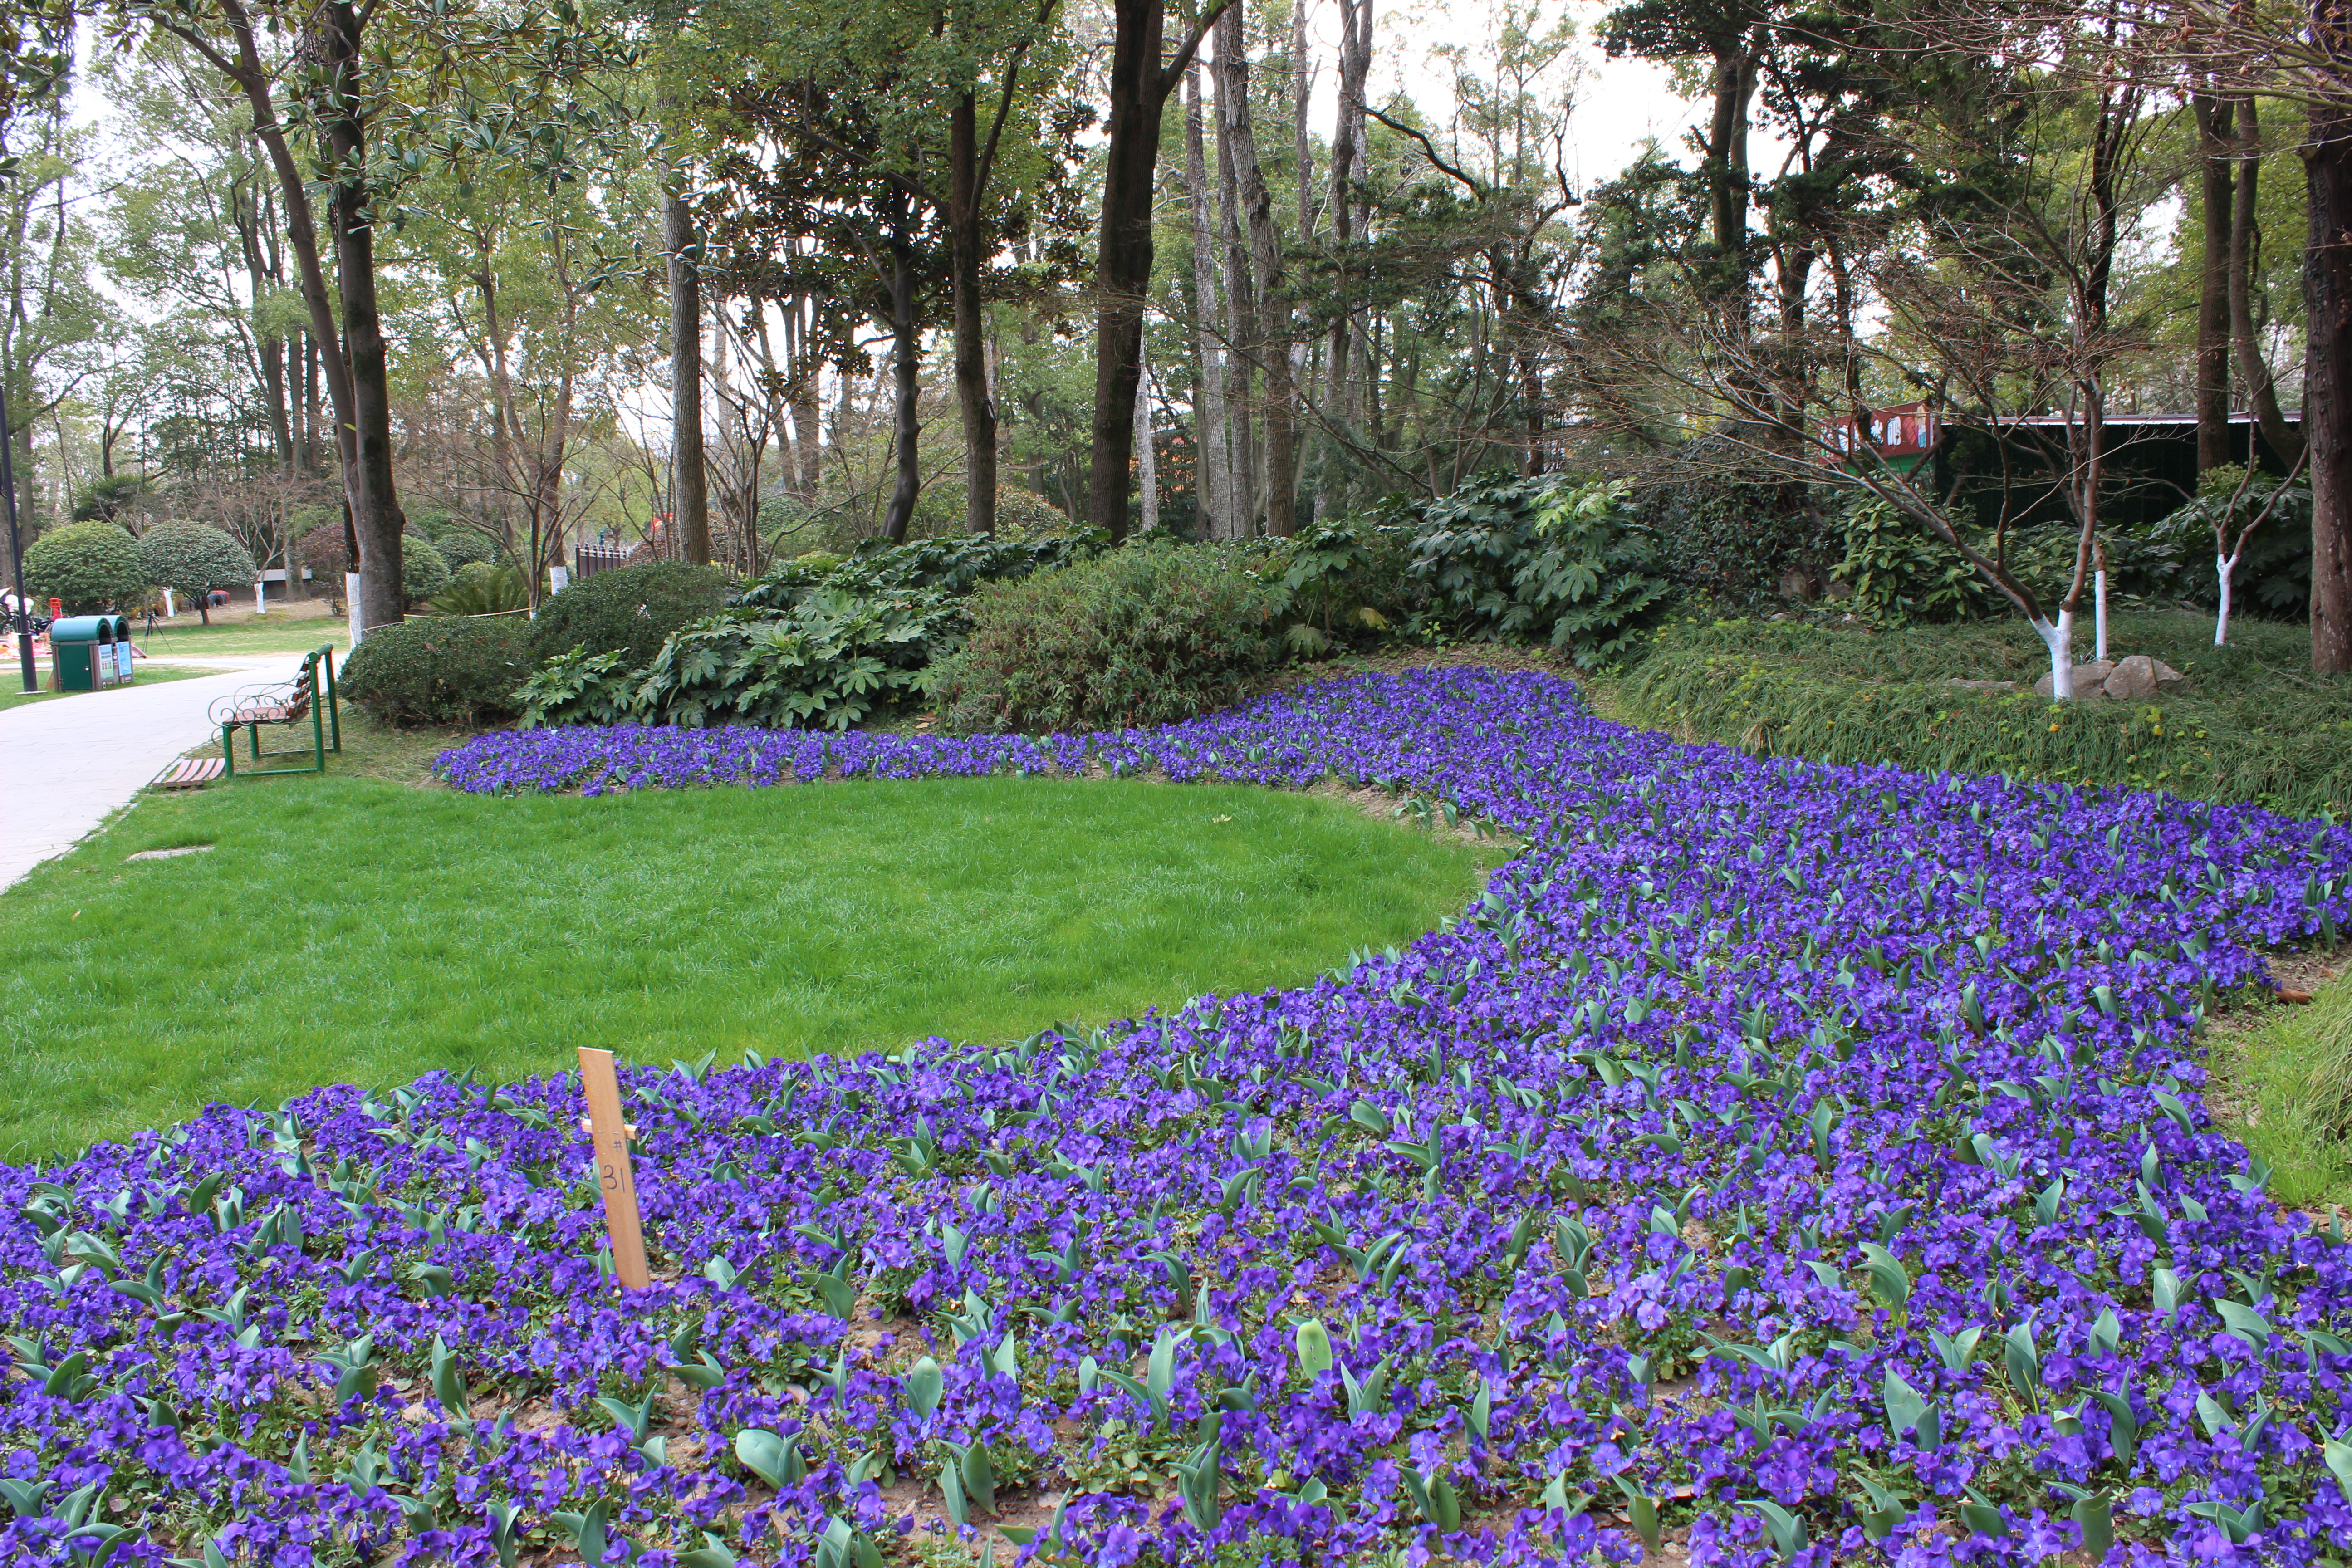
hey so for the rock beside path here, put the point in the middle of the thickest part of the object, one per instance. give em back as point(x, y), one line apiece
point(2136, 678)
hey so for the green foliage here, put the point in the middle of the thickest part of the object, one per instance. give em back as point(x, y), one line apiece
point(423, 571)
point(1901, 571)
point(462, 546)
point(1552, 559)
point(951, 566)
point(2275, 577)
point(1150, 634)
point(1734, 539)
point(830, 661)
point(191, 558)
point(444, 669)
point(628, 610)
point(89, 565)
point(1348, 583)
point(2293, 1079)
point(106, 499)
point(479, 588)
point(2242, 731)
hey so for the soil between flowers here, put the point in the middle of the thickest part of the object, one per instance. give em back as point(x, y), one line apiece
point(1808, 1159)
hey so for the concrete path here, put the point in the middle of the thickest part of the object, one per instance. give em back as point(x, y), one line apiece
point(68, 764)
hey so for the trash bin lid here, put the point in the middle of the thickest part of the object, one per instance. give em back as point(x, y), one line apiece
point(82, 629)
point(121, 627)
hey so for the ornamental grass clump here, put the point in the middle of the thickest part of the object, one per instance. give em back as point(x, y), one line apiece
point(1800, 1164)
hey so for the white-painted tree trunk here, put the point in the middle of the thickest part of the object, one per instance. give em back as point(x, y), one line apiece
point(2100, 587)
point(2058, 639)
point(169, 610)
point(261, 603)
point(351, 599)
point(2226, 566)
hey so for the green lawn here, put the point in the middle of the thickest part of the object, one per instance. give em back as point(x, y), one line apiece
point(12, 694)
point(362, 929)
point(297, 628)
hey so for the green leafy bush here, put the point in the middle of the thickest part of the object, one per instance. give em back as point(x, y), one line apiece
point(951, 566)
point(1901, 571)
point(443, 669)
point(423, 572)
point(1349, 582)
point(1848, 694)
point(2273, 580)
point(1731, 538)
point(462, 546)
point(831, 659)
point(1147, 634)
point(479, 588)
point(89, 565)
point(629, 611)
point(193, 558)
point(1555, 559)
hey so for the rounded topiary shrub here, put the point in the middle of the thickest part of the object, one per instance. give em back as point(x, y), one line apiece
point(1148, 635)
point(194, 558)
point(461, 546)
point(89, 565)
point(438, 670)
point(423, 571)
point(628, 610)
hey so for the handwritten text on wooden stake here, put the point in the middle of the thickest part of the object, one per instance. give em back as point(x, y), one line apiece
point(613, 1176)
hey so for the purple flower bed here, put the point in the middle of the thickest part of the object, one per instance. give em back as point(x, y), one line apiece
point(1811, 1159)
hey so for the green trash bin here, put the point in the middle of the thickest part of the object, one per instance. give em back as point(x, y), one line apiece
point(81, 648)
point(121, 649)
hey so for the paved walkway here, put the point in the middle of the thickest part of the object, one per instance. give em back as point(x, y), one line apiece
point(68, 764)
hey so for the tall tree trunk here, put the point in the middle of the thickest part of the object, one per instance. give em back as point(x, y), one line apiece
point(376, 517)
point(1212, 451)
point(906, 386)
point(2245, 240)
point(1139, 84)
point(690, 488)
point(1243, 343)
point(1346, 137)
point(966, 244)
point(1726, 172)
point(2327, 365)
point(1274, 304)
point(2213, 116)
point(1146, 451)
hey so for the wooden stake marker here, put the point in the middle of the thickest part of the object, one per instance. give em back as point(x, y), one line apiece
point(614, 1179)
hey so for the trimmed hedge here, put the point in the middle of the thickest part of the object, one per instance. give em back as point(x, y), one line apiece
point(628, 611)
point(1151, 633)
point(2242, 730)
point(446, 669)
point(89, 565)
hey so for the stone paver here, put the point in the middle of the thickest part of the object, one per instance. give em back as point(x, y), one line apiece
point(68, 764)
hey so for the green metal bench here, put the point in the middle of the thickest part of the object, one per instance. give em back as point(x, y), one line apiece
point(285, 703)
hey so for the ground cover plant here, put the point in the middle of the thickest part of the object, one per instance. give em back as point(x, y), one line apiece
point(359, 930)
point(2252, 723)
point(1809, 1159)
point(12, 693)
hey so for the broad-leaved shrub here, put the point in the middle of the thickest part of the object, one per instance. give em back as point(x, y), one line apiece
point(439, 670)
point(627, 611)
point(1150, 634)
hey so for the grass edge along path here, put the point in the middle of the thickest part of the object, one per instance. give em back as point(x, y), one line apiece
point(348, 930)
point(1781, 1162)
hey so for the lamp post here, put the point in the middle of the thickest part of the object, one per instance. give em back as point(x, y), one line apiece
point(17, 549)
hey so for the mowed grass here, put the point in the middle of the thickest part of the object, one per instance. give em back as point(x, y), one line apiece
point(359, 930)
point(2289, 1083)
point(294, 627)
point(12, 693)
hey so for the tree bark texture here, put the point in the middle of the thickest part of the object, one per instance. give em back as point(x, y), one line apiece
point(907, 380)
point(1139, 86)
point(1273, 347)
point(1242, 342)
point(2214, 117)
point(1212, 452)
point(2245, 244)
point(2327, 365)
point(690, 483)
point(376, 518)
point(966, 246)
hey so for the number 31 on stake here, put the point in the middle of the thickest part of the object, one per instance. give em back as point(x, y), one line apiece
point(614, 1178)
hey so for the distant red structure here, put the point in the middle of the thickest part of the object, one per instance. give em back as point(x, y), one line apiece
point(1903, 435)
